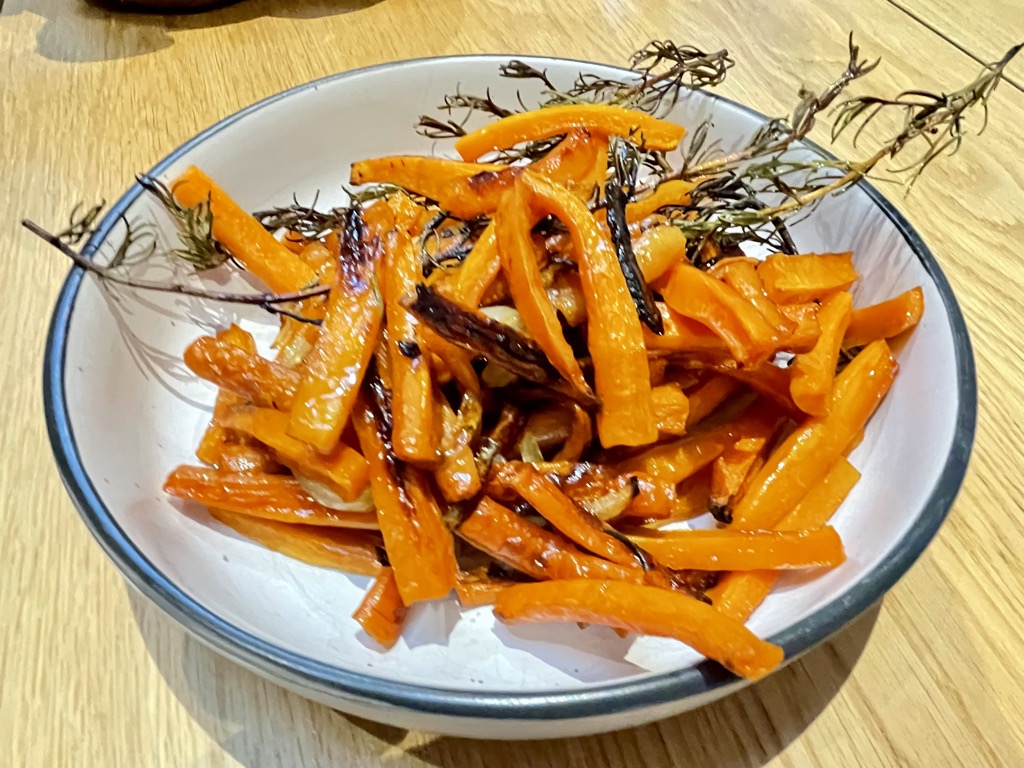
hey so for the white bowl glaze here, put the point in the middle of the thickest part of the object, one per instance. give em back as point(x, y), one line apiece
point(123, 411)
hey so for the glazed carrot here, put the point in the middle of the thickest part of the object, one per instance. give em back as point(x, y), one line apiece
point(477, 591)
point(245, 458)
point(645, 610)
point(217, 436)
point(381, 614)
point(349, 551)
point(669, 193)
point(807, 277)
point(538, 553)
point(699, 296)
point(269, 497)
point(806, 329)
point(708, 396)
point(814, 371)
point(809, 452)
point(458, 362)
point(581, 435)
point(344, 469)
point(681, 334)
point(519, 263)
point(614, 335)
point(244, 237)
point(671, 409)
point(337, 363)
point(435, 178)
point(600, 119)
point(768, 380)
point(579, 526)
point(729, 549)
point(741, 275)
point(658, 250)
point(261, 381)
point(885, 320)
point(474, 276)
point(730, 470)
point(738, 594)
point(679, 459)
point(457, 477)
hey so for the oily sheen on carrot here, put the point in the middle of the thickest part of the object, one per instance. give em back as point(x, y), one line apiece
point(813, 372)
point(614, 335)
point(456, 476)
point(217, 436)
point(645, 610)
point(731, 550)
point(600, 119)
point(671, 409)
point(244, 237)
point(382, 613)
point(433, 177)
point(810, 451)
point(245, 373)
point(806, 277)
point(885, 320)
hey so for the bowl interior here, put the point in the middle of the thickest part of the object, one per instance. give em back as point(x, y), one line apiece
point(136, 412)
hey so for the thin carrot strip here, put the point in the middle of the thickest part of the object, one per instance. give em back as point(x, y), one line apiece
point(670, 193)
point(474, 276)
point(814, 371)
point(244, 237)
point(344, 550)
point(681, 334)
point(217, 435)
point(600, 119)
point(885, 320)
point(382, 613)
point(741, 275)
point(269, 497)
point(458, 362)
point(645, 610)
point(457, 476)
point(256, 379)
point(729, 549)
point(708, 396)
point(806, 277)
point(433, 177)
point(614, 334)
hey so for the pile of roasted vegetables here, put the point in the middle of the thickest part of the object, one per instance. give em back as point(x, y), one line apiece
point(523, 375)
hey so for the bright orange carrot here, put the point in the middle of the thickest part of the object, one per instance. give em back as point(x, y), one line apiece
point(806, 329)
point(729, 549)
point(645, 610)
point(681, 334)
point(244, 237)
point(599, 119)
point(741, 275)
point(457, 476)
point(807, 277)
point(814, 371)
point(217, 436)
point(708, 396)
point(658, 250)
point(438, 178)
point(885, 320)
point(671, 409)
point(730, 471)
point(669, 193)
point(256, 379)
point(474, 591)
point(382, 613)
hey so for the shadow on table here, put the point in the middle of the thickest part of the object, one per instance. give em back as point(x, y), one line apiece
point(89, 30)
point(261, 725)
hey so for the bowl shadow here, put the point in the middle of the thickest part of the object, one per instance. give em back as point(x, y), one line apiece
point(262, 725)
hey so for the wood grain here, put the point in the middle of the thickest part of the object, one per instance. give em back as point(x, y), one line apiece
point(91, 675)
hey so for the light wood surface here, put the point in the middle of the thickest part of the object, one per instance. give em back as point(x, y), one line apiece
point(93, 676)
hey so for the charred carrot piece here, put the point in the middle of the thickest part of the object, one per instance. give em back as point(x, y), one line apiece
point(579, 526)
point(614, 335)
point(645, 610)
point(885, 320)
point(350, 551)
point(806, 277)
point(814, 371)
point(728, 549)
point(457, 476)
point(671, 409)
point(269, 497)
point(382, 613)
point(419, 545)
point(244, 237)
point(343, 468)
point(739, 594)
point(699, 296)
point(729, 472)
point(599, 119)
point(810, 451)
point(256, 379)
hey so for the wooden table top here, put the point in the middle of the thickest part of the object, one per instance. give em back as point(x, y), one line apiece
point(91, 675)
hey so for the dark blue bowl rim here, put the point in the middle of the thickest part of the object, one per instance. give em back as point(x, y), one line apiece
point(324, 680)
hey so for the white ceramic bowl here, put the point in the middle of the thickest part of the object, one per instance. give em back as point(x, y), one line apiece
point(122, 411)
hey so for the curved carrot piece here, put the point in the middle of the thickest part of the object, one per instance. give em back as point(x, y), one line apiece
point(468, 284)
point(382, 613)
point(814, 371)
point(581, 434)
point(658, 250)
point(809, 452)
point(674, 192)
point(806, 277)
point(600, 119)
point(349, 551)
point(244, 237)
point(269, 497)
point(645, 610)
point(885, 320)
point(261, 381)
point(614, 334)
point(728, 549)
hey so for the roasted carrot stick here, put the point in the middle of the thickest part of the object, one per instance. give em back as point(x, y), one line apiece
point(741, 275)
point(432, 177)
point(658, 250)
point(671, 409)
point(558, 509)
point(699, 296)
point(809, 452)
point(519, 264)
point(382, 613)
point(217, 436)
point(708, 396)
point(261, 381)
point(541, 554)
point(349, 551)
point(885, 320)
point(457, 476)
point(728, 549)
point(474, 591)
point(670, 193)
point(468, 284)
point(807, 277)
point(681, 334)
point(738, 594)
point(269, 497)
point(244, 457)
point(244, 237)
point(805, 326)
point(814, 371)
point(731, 470)
point(614, 334)
point(343, 468)
point(645, 610)
point(600, 119)
point(418, 543)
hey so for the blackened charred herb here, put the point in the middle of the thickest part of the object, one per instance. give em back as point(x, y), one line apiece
point(409, 349)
